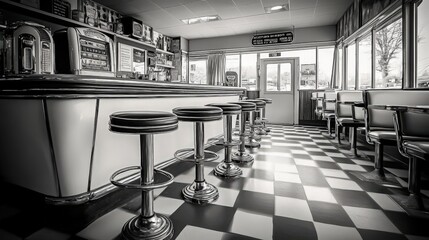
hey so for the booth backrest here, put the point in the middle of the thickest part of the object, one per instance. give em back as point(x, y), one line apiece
point(380, 118)
point(414, 124)
point(320, 96)
point(329, 105)
point(344, 103)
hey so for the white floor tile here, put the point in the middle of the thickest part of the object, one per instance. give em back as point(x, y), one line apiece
point(343, 184)
point(253, 225)
point(281, 144)
point(287, 177)
point(333, 173)
point(313, 149)
point(166, 205)
point(322, 158)
point(370, 219)
point(191, 232)
point(281, 167)
point(335, 232)
point(292, 208)
point(47, 233)
point(351, 167)
point(340, 155)
point(259, 185)
point(227, 197)
point(385, 202)
point(319, 194)
point(298, 152)
point(305, 162)
point(275, 154)
point(363, 162)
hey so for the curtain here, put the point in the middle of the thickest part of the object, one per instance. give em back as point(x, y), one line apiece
point(335, 76)
point(216, 69)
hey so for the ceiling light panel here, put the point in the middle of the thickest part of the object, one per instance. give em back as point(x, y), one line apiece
point(203, 19)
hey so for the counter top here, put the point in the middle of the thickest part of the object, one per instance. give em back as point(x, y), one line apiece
point(72, 86)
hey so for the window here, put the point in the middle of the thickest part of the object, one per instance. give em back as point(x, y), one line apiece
point(279, 77)
point(423, 45)
point(388, 50)
point(248, 71)
point(198, 71)
point(340, 68)
point(232, 64)
point(324, 68)
point(307, 68)
point(351, 66)
point(365, 63)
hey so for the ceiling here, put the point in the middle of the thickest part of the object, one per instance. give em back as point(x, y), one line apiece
point(237, 16)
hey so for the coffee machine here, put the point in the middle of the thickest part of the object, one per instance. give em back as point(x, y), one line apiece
point(29, 49)
point(84, 51)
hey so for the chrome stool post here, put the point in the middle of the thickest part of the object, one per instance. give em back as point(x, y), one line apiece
point(264, 110)
point(200, 191)
point(147, 225)
point(241, 156)
point(252, 139)
point(227, 168)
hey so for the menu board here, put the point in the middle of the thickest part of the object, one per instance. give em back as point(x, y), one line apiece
point(272, 38)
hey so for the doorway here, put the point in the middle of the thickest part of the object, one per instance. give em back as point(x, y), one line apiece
point(278, 82)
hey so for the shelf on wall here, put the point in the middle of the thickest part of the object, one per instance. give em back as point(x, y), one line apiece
point(165, 66)
point(62, 20)
point(163, 51)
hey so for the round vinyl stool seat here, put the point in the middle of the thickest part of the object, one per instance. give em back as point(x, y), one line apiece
point(227, 108)
point(246, 106)
point(198, 114)
point(266, 100)
point(259, 103)
point(148, 122)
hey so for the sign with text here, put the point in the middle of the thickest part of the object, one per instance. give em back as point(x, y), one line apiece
point(272, 38)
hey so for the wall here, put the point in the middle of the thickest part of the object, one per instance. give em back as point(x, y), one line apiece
point(301, 35)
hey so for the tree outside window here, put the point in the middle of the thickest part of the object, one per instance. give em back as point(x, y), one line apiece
point(388, 49)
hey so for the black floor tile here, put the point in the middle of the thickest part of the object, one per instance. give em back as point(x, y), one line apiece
point(209, 216)
point(302, 156)
point(354, 198)
point(288, 228)
point(312, 176)
point(377, 235)
point(293, 190)
point(330, 213)
point(409, 225)
point(328, 165)
point(255, 202)
point(174, 190)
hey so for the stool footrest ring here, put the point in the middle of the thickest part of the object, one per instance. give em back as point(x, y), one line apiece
point(139, 186)
point(191, 150)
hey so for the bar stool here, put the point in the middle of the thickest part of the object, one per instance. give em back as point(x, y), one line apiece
point(227, 168)
point(147, 225)
point(241, 156)
point(199, 192)
point(263, 119)
point(253, 137)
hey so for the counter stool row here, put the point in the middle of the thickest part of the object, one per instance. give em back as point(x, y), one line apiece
point(150, 225)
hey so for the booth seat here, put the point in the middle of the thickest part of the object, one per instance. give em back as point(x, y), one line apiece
point(413, 142)
point(349, 114)
point(379, 122)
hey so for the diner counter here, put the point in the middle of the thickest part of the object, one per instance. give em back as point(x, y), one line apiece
point(55, 137)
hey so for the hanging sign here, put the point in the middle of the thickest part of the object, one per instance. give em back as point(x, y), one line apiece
point(272, 38)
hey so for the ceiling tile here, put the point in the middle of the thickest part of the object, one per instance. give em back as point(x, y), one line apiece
point(300, 4)
point(201, 8)
point(181, 12)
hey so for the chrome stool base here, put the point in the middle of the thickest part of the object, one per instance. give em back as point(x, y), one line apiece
point(154, 228)
point(200, 193)
point(228, 170)
point(242, 158)
point(252, 143)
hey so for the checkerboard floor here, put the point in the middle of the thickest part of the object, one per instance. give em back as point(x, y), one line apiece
point(299, 187)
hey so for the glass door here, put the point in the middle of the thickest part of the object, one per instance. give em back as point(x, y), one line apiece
point(278, 83)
